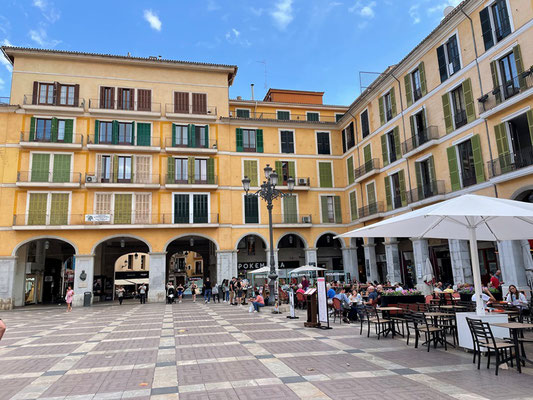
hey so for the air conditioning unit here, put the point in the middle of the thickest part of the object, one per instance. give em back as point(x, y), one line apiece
point(302, 181)
point(450, 68)
point(90, 178)
point(306, 219)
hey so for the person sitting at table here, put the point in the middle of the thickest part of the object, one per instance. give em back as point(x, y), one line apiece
point(448, 289)
point(305, 283)
point(398, 287)
point(330, 293)
point(372, 296)
point(516, 298)
point(438, 288)
point(345, 304)
point(356, 304)
point(486, 296)
point(300, 289)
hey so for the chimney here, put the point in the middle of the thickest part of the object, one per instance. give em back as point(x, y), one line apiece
point(252, 86)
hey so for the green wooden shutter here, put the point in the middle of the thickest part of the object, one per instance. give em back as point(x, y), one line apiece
point(69, 130)
point(432, 175)
point(419, 186)
point(423, 82)
point(469, 100)
point(32, 129)
point(250, 170)
point(61, 168)
point(338, 210)
point(59, 209)
point(292, 169)
point(408, 89)
point(173, 135)
point(530, 123)
point(486, 28)
point(122, 209)
point(397, 143)
point(381, 111)
point(191, 170)
point(40, 167)
point(259, 140)
point(290, 214)
point(351, 172)
point(496, 82)
point(479, 166)
point(519, 66)
point(403, 191)
point(384, 150)
point(324, 209)
point(133, 133)
point(206, 136)
point(37, 208)
point(114, 132)
point(371, 193)
point(278, 168)
point(191, 135)
point(211, 171)
point(143, 134)
point(353, 206)
point(54, 129)
point(393, 102)
point(447, 109)
point(388, 194)
point(251, 210)
point(96, 131)
point(238, 139)
point(325, 174)
point(171, 169)
point(199, 210)
point(181, 208)
point(114, 178)
point(367, 153)
point(502, 144)
point(454, 168)
point(413, 130)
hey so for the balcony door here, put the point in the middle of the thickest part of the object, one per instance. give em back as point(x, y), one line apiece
point(521, 141)
point(425, 179)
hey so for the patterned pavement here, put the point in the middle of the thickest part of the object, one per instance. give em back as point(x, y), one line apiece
point(194, 351)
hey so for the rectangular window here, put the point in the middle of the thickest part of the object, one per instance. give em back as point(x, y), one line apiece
point(48, 208)
point(182, 136)
point(107, 98)
point(250, 170)
point(144, 99)
point(61, 130)
point(396, 191)
point(43, 130)
point(509, 76)
point(322, 139)
point(251, 210)
point(325, 174)
point(466, 163)
point(338, 117)
point(285, 170)
point(416, 84)
point(199, 103)
point(105, 168)
point(124, 169)
point(105, 135)
point(449, 58)
point(122, 209)
point(200, 136)
point(284, 115)
point(181, 170)
point(458, 107)
point(287, 141)
point(125, 133)
point(191, 208)
point(181, 103)
point(103, 203)
point(46, 93)
point(313, 116)
point(40, 167)
point(387, 102)
point(365, 128)
point(248, 140)
point(500, 18)
point(391, 143)
point(331, 209)
point(349, 134)
point(181, 208)
point(126, 99)
point(200, 207)
point(200, 170)
point(243, 113)
point(67, 95)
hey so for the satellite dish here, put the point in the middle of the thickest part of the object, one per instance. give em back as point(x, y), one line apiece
point(448, 10)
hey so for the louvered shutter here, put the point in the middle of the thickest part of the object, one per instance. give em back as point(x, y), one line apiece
point(384, 150)
point(447, 110)
point(349, 166)
point(142, 208)
point(419, 184)
point(381, 111)
point(495, 82)
point(190, 168)
point(292, 169)
point(211, 171)
point(486, 28)
point(181, 102)
point(142, 169)
point(371, 193)
point(37, 206)
point(96, 131)
point(403, 189)
point(443, 68)
point(238, 139)
point(59, 209)
point(393, 102)
point(397, 143)
point(423, 82)
point(114, 132)
point(290, 215)
point(324, 209)
point(479, 166)
point(181, 209)
point(367, 153)
point(469, 100)
point(325, 174)
point(171, 170)
point(61, 171)
point(40, 167)
point(353, 206)
point(35, 94)
point(502, 143)
point(123, 210)
point(337, 208)
point(259, 140)
point(206, 136)
point(454, 168)
point(69, 128)
point(53, 130)
point(408, 89)
point(388, 194)
point(199, 103)
point(32, 129)
point(519, 67)
point(144, 134)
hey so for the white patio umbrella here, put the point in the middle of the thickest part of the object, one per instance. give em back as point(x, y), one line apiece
point(428, 272)
point(468, 217)
point(306, 268)
point(260, 271)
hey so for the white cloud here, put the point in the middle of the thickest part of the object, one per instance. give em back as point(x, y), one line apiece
point(2, 82)
point(441, 6)
point(282, 13)
point(6, 42)
point(48, 10)
point(364, 8)
point(5, 63)
point(40, 37)
point(233, 37)
point(212, 5)
point(152, 19)
point(257, 11)
point(414, 13)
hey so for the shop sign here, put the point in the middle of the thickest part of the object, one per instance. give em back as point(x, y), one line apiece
point(97, 217)
point(251, 265)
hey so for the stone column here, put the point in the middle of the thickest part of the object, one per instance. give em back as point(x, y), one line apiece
point(461, 264)
point(311, 256)
point(83, 278)
point(512, 264)
point(157, 277)
point(7, 282)
point(226, 265)
point(349, 260)
point(421, 254)
point(392, 254)
point(371, 265)
point(276, 261)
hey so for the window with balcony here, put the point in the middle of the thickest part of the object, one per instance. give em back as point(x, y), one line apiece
point(105, 169)
point(107, 97)
point(331, 209)
point(287, 141)
point(323, 144)
point(391, 146)
point(126, 99)
point(285, 170)
point(48, 208)
point(387, 102)
point(181, 170)
point(365, 128)
point(105, 134)
point(251, 210)
point(124, 208)
point(46, 93)
point(125, 130)
point(325, 174)
point(248, 139)
point(509, 75)
point(395, 192)
point(283, 115)
point(43, 130)
point(199, 103)
point(495, 23)
point(200, 170)
point(466, 163)
point(242, 113)
point(419, 132)
point(181, 136)
point(191, 208)
point(66, 97)
point(425, 178)
point(458, 107)
point(124, 169)
point(181, 102)
point(449, 58)
point(313, 116)
point(46, 167)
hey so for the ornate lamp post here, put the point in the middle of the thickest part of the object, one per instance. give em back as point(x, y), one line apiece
point(268, 193)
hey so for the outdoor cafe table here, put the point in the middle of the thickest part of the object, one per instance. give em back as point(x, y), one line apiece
point(453, 307)
point(435, 316)
point(514, 328)
point(386, 314)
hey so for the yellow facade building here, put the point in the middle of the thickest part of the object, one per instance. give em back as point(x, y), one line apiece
point(104, 155)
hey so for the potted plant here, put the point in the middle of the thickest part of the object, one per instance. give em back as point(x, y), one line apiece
point(496, 293)
point(411, 296)
point(466, 293)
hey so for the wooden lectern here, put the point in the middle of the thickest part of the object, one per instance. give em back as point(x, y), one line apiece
point(312, 308)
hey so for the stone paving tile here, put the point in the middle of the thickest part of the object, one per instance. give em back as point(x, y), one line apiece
point(328, 364)
point(199, 353)
point(215, 372)
point(303, 346)
point(114, 359)
point(284, 334)
point(41, 350)
point(27, 365)
point(127, 344)
point(9, 387)
point(187, 340)
point(415, 358)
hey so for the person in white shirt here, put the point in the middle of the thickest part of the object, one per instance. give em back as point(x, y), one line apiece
point(438, 288)
point(397, 287)
point(516, 298)
point(486, 296)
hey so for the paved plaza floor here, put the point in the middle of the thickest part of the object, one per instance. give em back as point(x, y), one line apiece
point(193, 351)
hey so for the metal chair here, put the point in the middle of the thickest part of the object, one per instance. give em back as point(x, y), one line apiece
point(432, 334)
point(337, 310)
point(382, 326)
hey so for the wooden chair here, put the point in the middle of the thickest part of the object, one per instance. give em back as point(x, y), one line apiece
point(283, 296)
point(337, 310)
point(432, 334)
point(371, 316)
point(483, 338)
point(300, 300)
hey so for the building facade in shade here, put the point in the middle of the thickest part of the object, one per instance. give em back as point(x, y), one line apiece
point(105, 156)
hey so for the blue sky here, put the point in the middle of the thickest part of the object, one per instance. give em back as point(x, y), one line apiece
point(304, 44)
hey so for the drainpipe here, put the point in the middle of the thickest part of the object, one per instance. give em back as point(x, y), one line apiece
point(481, 89)
point(358, 156)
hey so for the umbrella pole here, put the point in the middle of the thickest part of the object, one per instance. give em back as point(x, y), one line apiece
point(480, 310)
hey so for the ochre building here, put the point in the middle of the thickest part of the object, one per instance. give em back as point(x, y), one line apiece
point(128, 169)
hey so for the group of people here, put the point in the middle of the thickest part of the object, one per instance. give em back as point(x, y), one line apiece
point(353, 299)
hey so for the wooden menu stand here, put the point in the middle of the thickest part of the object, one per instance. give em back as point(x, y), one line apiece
point(312, 308)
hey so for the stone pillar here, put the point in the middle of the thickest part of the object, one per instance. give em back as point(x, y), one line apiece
point(276, 261)
point(461, 264)
point(421, 254)
point(311, 256)
point(371, 265)
point(83, 278)
point(392, 253)
point(7, 282)
point(512, 264)
point(226, 265)
point(157, 276)
point(349, 260)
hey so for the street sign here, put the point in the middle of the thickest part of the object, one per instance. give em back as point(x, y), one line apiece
point(97, 217)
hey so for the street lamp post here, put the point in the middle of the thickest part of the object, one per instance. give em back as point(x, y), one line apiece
point(268, 193)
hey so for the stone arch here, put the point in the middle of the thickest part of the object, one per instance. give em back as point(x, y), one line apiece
point(26, 241)
point(248, 234)
point(306, 246)
point(190, 234)
point(146, 242)
point(343, 244)
point(524, 189)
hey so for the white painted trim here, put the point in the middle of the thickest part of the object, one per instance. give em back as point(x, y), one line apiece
point(424, 157)
point(316, 141)
point(279, 138)
point(318, 173)
point(462, 139)
point(516, 114)
point(243, 197)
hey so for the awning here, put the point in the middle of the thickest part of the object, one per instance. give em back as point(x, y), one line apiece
point(133, 281)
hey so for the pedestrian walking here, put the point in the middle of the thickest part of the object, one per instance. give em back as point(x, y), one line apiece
point(207, 290)
point(238, 288)
point(171, 292)
point(120, 294)
point(142, 293)
point(232, 291)
point(68, 298)
point(224, 289)
point(194, 291)
point(216, 293)
point(180, 292)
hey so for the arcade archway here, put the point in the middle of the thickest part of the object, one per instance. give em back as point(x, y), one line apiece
point(191, 258)
point(291, 253)
point(251, 254)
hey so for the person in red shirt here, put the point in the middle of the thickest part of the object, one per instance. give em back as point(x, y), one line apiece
point(495, 281)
